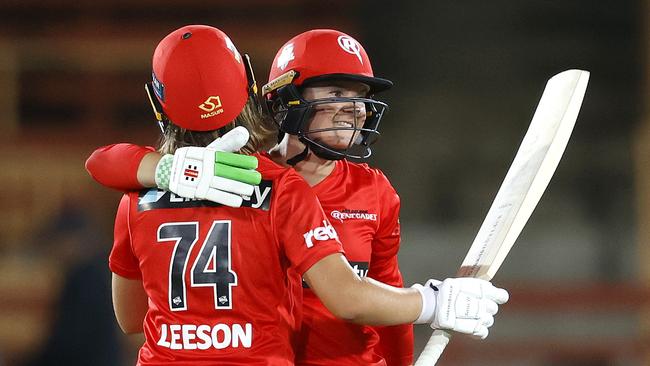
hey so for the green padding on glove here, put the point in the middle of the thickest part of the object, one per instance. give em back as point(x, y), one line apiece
point(241, 175)
point(236, 160)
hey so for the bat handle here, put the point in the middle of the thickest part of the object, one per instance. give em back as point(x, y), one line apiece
point(434, 348)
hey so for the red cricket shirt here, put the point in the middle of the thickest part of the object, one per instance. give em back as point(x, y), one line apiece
point(364, 209)
point(223, 283)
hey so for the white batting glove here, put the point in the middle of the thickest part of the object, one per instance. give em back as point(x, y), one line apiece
point(212, 173)
point(464, 305)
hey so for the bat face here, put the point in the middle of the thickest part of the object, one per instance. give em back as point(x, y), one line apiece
point(528, 176)
point(530, 173)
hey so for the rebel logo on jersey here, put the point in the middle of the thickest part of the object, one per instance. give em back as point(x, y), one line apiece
point(320, 233)
point(347, 214)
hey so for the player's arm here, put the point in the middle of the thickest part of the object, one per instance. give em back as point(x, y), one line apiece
point(118, 166)
point(361, 300)
point(465, 305)
point(129, 303)
point(129, 298)
point(311, 245)
point(146, 174)
point(211, 173)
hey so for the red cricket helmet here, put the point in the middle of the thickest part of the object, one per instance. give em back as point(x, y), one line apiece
point(199, 78)
point(325, 54)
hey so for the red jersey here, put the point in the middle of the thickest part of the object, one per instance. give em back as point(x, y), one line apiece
point(223, 283)
point(364, 209)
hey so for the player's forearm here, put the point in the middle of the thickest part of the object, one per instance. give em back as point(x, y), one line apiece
point(147, 169)
point(361, 300)
point(374, 303)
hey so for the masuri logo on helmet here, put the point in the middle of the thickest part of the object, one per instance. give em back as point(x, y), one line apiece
point(210, 105)
point(197, 69)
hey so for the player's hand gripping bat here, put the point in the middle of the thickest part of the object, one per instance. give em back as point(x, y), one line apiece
point(524, 184)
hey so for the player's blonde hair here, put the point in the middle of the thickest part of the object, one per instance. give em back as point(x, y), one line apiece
point(263, 132)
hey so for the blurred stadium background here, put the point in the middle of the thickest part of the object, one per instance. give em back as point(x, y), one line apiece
point(467, 76)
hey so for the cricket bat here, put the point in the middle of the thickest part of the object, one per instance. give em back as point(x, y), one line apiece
point(528, 176)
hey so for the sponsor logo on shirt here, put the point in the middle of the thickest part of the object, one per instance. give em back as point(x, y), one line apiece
point(320, 233)
point(361, 268)
point(203, 336)
point(152, 199)
point(353, 215)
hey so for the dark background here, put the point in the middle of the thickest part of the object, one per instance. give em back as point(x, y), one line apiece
point(468, 75)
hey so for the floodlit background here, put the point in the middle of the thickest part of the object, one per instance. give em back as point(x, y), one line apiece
point(468, 75)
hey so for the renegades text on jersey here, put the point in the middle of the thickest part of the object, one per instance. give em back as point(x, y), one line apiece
point(223, 283)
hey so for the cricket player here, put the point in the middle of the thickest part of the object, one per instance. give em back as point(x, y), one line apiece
point(319, 92)
point(214, 283)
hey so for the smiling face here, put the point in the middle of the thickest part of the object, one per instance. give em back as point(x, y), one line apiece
point(333, 123)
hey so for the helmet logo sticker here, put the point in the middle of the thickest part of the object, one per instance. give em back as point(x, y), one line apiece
point(350, 45)
point(158, 87)
point(212, 105)
point(231, 47)
point(285, 56)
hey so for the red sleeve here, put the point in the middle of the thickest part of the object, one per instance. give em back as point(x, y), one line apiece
point(395, 342)
point(301, 225)
point(116, 166)
point(122, 261)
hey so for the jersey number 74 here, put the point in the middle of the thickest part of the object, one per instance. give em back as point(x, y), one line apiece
point(212, 267)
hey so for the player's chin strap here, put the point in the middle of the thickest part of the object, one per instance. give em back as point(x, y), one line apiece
point(281, 148)
point(300, 157)
point(317, 150)
point(324, 152)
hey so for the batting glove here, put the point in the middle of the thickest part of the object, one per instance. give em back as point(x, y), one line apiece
point(464, 305)
point(212, 173)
